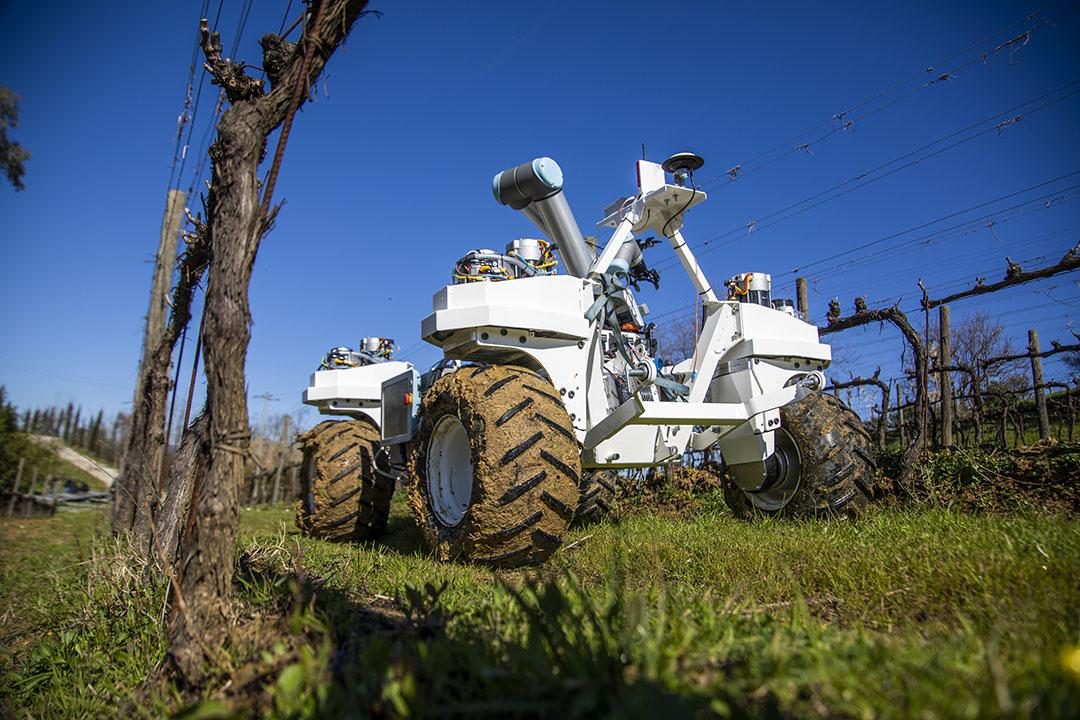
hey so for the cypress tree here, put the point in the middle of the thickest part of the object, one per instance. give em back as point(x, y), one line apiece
point(73, 436)
point(65, 419)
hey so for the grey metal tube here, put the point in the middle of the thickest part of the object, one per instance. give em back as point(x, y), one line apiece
point(564, 232)
point(535, 188)
point(630, 253)
point(533, 214)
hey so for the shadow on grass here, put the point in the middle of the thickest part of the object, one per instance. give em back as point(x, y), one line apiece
point(411, 658)
point(403, 536)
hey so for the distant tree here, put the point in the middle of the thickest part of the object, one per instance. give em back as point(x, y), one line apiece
point(15, 444)
point(676, 339)
point(66, 418)
point(8, 424)
point(979, 337)
point(73, 438)
point(10, 446)
point(975, 338)
point(1072, 360)
point(95, 433)
point(12, 155)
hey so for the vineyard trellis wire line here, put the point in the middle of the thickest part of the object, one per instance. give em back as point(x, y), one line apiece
point(1046, 201)
point(838, 121)
point(838, 190)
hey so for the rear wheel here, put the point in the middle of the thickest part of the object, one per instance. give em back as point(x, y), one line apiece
point(823, 464)
point(495, 467)
point(597, 496)
point(342, 497)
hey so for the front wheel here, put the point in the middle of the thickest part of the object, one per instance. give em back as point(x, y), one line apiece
point(823, 464)
point(495, 467)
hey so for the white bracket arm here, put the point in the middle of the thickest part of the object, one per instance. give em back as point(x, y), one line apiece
point(636, 411)
point(694, 270)
point(621, 234)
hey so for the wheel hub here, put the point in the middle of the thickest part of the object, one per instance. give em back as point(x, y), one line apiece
point(784, 468)
point(449, 470)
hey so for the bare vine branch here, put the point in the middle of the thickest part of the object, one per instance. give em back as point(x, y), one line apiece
point(236, 83)
point(1014, 275)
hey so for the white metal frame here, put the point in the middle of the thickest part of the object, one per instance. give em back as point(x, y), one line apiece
point(768, 358)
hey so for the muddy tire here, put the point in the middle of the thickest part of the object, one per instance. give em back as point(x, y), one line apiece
point(597, 495)
point(827, 468)
point(495, 467)
point(342, 498)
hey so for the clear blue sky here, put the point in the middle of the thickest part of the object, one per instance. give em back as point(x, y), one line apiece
point(387, 176)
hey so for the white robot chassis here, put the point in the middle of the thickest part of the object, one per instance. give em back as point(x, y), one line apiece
point(556, 376)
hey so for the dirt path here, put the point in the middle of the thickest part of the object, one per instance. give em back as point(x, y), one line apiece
point(104, 473)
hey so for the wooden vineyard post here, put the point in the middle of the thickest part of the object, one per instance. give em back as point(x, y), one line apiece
point(1072, 415)
point(136, 491)
point(30, 492)
point(900, 417)
point(15, 488)
point(1037, 377)
point(281, 461)
point(801, 298)
point(945, 380)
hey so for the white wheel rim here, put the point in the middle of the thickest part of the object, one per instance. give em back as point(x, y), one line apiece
point(449, 470)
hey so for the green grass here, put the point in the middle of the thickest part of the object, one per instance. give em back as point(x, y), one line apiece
point(905, 613)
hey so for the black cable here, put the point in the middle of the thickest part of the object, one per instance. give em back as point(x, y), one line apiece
point(218, 15)
point(921, 242)
point(245, 10)
point(285, 17)
point(187, 101)
point(683, 209)
point(198, 96)
point(864, 246)
point(948, 286)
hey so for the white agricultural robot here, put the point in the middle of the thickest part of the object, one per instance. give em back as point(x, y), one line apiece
point(551, 383)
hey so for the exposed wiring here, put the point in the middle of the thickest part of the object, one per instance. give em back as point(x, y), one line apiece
point(548, 260)
point(484, 266)
point(734, 291)
point(683, 209)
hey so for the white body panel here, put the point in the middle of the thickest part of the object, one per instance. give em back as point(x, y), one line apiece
point(747, 355)
point(553, 305)
point(352, 391)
